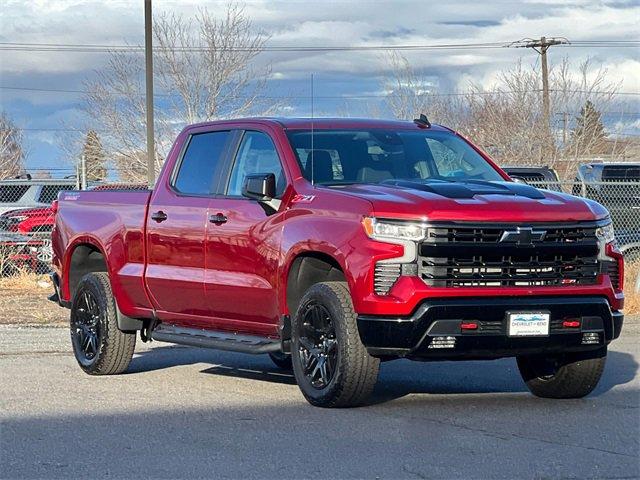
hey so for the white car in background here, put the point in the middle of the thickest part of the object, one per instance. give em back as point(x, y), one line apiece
point(34, 193)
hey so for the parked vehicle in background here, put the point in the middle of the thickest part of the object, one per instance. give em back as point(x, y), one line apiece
point(28, 220)
point(22, 253)
point(335, 244)
point(617, 187)
point(34, 193)
point(539, 177)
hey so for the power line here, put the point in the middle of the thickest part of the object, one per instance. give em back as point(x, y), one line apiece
point(76, 47)
point(345, 96)
point(105, 48)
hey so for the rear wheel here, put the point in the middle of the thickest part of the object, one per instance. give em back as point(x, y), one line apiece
point(330, 363)
point(573, 375)
point(99, 346)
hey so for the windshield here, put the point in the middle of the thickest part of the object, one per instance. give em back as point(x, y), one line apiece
point(377, 155)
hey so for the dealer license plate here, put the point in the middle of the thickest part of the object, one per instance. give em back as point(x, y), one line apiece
point(528, 324)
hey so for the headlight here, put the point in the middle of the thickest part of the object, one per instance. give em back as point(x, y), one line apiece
point(385, 230)
point(606, 233)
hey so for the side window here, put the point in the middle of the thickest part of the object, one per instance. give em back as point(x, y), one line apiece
point(12, 193)
point(199, 164)
point(257, 154)
point(49, 193)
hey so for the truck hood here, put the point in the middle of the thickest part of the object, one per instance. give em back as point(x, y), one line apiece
point(475, 200)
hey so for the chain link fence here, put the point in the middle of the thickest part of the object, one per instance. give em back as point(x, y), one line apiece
point(620, 198)
point(26, 216)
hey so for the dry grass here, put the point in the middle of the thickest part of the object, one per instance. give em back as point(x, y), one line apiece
point(632, 296)
point(23, 300)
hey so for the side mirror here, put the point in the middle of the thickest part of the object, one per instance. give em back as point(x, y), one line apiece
point(259, 186)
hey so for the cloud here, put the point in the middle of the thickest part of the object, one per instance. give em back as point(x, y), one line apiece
point(327, 23)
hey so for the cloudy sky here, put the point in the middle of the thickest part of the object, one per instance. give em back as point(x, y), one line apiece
point(308, 23)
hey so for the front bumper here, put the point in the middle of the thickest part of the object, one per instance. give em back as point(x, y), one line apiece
point(434, 319)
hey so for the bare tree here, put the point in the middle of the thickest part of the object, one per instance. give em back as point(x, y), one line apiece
point(506, 119)
point(11, 150)
point(411, 93)
point(204, 72)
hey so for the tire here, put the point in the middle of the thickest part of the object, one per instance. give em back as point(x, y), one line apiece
point(99, 347)
point(281, 360)
point(569, 376)
point(325, 324)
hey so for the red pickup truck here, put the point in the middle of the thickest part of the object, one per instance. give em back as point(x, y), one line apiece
point(335, 244)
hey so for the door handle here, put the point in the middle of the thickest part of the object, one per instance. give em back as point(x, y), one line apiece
point(159, 216)
point(218, 218)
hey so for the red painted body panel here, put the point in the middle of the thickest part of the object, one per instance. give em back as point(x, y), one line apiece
point(113, 223)
point(233, 276)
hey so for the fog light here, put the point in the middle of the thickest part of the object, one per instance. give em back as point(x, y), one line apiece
point(443, 342)
point(590, 338)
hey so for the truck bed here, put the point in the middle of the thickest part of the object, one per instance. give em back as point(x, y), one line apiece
point(115, 221)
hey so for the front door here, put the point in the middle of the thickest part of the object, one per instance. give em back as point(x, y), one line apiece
point(176, 230)
point(243, 244)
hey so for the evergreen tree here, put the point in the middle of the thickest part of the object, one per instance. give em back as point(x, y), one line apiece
point(95, 158)
point(589, 135)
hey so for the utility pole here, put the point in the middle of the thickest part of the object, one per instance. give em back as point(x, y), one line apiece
point(83, 172)
point(541, 46)
point(148, 57)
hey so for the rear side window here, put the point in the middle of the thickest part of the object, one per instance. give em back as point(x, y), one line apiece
point(621, 173)
point(199, 165)
point(12, 193)
point(49, 193)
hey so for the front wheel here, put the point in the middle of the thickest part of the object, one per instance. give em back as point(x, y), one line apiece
point(99, 347)
point(572, 375)
point(330, 363)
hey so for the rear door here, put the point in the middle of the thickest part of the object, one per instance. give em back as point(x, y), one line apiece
point(243, 249)
point(176, 229)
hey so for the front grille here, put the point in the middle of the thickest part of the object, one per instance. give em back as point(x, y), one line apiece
point(465, 256)
point(473, 235)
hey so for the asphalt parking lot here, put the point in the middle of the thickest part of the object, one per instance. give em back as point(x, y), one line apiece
point(191, 413)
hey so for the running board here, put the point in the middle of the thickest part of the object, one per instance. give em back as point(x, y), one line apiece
point(218, 340)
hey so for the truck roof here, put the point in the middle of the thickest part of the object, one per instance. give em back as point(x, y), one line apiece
point(324, 123)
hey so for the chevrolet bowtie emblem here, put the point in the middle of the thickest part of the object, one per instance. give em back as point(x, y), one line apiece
point(522, 236)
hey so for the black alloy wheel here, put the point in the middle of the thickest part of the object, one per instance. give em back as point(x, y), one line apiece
point(85, 328)
point(318, 347)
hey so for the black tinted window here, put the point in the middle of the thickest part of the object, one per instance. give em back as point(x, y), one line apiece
point(376, 155)
point(257, 154)
point(12, 193)
point(49, 193)
point(200, 163)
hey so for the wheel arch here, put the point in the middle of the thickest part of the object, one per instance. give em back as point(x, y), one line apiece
point(307, 268)
point(85, 255)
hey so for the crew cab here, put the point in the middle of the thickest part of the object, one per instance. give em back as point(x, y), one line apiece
point(334, 245)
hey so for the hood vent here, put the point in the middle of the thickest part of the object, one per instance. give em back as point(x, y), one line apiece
point(470, 188)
